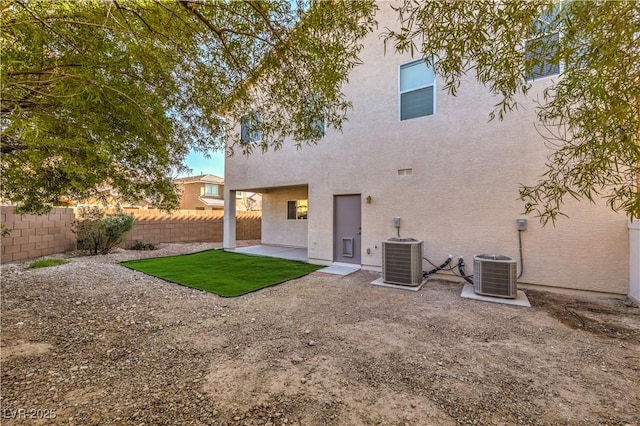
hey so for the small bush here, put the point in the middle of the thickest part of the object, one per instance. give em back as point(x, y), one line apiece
point(43, 263)
point(139, 245)
point(99, 233)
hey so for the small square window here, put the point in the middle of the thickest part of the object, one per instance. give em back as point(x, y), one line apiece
point(297, 210)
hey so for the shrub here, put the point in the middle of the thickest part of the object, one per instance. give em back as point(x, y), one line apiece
point(139, 245)
point(43, 263)
point(99, 233)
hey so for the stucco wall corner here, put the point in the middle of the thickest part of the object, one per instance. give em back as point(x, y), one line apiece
point(634, 261)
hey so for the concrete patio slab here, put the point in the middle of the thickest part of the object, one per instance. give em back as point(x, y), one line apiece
point(520, 300)
point(295, 253)
point(283, 252)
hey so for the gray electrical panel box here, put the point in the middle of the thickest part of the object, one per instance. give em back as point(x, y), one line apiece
point(522, 224)
point(396, 222)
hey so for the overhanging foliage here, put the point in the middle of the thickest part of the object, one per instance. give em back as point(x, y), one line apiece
point(98, 92)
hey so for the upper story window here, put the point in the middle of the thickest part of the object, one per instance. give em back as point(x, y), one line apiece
point(540, 56)
point(417, 90)
point(540, 52)
point(314, 115)
point(210, 189)
point(318, 127)
point(250, 128)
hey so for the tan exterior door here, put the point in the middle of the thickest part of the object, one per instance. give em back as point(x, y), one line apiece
point(347, 228)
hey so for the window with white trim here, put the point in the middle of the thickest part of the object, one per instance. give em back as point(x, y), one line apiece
point(315, 119)
point(250, 128)
point(297, 209)
point(417, 90)
point(210, 189)
point(319, 127)
point(539, 56)
point(541, 52)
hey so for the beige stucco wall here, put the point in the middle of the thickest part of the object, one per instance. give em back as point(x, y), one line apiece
point(278, 229)
point(462, 197)
point(189, 198)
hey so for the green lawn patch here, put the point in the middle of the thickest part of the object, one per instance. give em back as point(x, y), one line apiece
point(43, 263)
point(223, 273)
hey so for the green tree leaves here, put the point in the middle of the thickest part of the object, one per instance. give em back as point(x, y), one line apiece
point(116, 92)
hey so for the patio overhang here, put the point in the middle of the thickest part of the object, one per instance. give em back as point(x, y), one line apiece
point(278, 227)
point(268, 189)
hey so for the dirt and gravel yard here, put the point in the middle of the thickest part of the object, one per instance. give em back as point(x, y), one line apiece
point(93, 343)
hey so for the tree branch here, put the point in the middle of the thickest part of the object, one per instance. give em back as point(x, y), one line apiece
point(192, 8)
point(43, 70)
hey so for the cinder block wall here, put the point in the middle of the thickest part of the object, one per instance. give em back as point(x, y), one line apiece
point(184, 226)
point(35, 236)
point(155, 226)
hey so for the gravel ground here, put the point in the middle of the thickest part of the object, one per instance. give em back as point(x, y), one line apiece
point(93, 343)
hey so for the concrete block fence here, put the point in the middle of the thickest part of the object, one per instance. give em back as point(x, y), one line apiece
point(183, 226)
point(35, 236)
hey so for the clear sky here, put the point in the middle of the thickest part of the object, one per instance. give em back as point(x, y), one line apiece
point(202, 165)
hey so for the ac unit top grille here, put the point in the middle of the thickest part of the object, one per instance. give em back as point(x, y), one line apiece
point(497, 257)
point(402, 240)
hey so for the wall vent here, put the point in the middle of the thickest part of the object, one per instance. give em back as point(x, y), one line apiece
point(495, 275)
point(402, 261)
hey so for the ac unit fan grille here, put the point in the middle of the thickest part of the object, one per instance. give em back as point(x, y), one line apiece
point(402, 262)
point(495, 276)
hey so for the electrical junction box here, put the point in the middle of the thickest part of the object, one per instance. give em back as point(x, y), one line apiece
point(396, 222)
point(522, 224)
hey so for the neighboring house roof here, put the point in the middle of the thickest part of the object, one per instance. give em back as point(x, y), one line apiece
point(211, 202)
point(206, 178)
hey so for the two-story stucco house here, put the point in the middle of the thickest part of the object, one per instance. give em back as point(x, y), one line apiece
point(201, 192)
point(412, 151)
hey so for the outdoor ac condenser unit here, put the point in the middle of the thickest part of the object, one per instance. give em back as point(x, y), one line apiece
point(402, 261)
point(495, 275)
